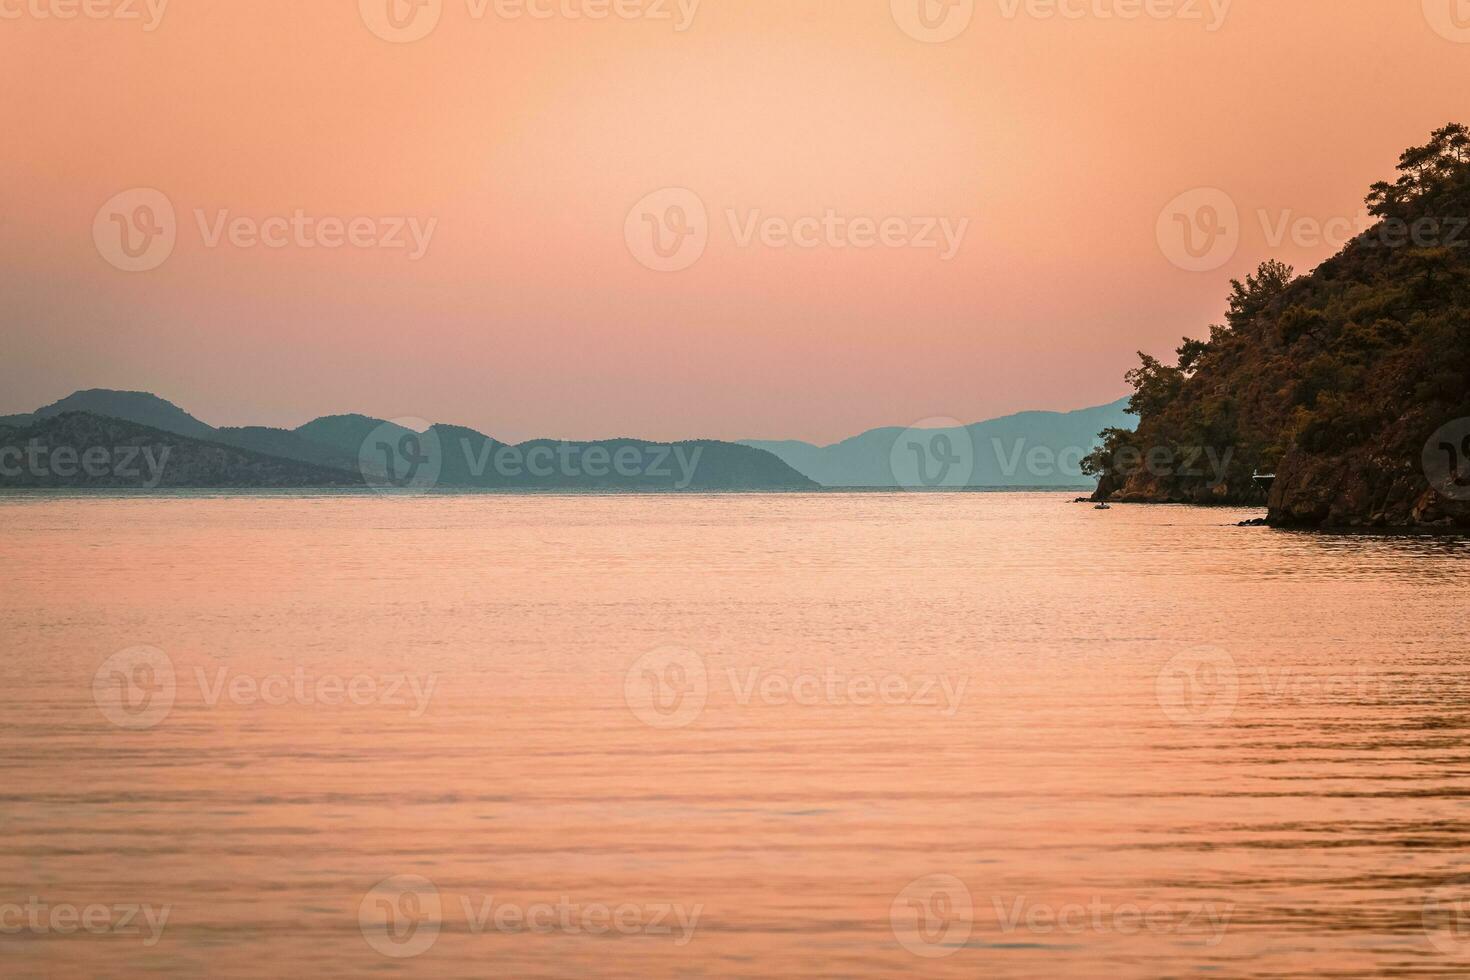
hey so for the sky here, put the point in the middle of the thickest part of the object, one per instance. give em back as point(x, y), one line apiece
point(720, 219)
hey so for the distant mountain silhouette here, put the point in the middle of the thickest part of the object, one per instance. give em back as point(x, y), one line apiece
point(82, 450)
point(134, 406)
point(1040, 449)
point(347, 450)
point(471, 458)
point(286, 444)
point(148, 409)
point(346, 433)
point(1030, 449)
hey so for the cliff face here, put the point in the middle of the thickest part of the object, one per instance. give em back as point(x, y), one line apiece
point(1351, 384)
point(1364, 488)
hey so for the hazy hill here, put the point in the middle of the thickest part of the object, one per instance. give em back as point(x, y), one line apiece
point(345, 434)
point(1351, 384)
point(287, 444)
point(1034, 449)
point(134, 406)
point(349, 450)
point(471, 458)
point(82, 450)
point(148, 409)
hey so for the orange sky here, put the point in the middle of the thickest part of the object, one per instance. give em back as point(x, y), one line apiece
point(526, 142)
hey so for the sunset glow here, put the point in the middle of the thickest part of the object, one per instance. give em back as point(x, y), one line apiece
point(524, 141)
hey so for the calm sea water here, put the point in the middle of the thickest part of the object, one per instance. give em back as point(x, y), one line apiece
point(967, 735)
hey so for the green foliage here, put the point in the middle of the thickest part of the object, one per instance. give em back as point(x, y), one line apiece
point(1367, 354)
point(1249, 299)
point(1190, 353)
point(1154, 385)
point(1424, 172)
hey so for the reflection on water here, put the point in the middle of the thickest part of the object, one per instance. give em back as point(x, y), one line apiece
point(855, 735)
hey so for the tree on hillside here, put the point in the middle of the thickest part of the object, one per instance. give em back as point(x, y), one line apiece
point(1257, 292)
point(1422, 169)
